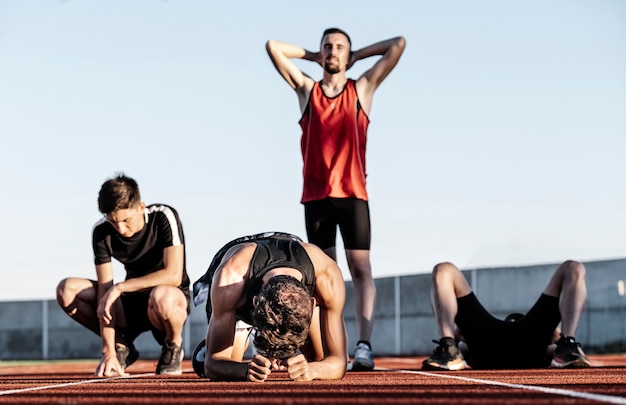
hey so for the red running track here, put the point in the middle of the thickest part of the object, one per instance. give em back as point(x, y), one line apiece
point(395, 381)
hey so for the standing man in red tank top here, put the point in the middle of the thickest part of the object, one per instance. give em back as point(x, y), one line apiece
point(335, 117)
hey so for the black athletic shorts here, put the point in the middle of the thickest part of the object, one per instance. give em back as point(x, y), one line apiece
point(351, 215)
point(135, 306)
point(494, 343)
point(136, 312)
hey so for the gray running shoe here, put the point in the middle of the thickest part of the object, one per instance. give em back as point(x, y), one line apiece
point(363, 358)
point(126, 355)
point(171, 357)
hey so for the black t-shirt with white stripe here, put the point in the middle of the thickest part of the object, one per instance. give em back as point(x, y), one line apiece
point(142, 253)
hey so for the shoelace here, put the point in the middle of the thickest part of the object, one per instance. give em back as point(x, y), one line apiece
point(168, 354)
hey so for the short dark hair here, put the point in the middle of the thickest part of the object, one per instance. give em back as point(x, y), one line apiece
point(118, 193)
point(335, 30)
point(282, 317)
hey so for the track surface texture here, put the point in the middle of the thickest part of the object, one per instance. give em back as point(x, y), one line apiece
point(395, 381)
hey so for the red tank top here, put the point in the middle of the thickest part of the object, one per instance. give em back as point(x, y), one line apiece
point(334, 134)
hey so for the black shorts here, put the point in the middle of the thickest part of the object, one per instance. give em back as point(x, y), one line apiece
point(351, 215)
point(494, 343)
point(135, 307)
point(136, 311)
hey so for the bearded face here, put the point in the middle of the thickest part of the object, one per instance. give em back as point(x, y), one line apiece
point(335, 50)
point(331, 67)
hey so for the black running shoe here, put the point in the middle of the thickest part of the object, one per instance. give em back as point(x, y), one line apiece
point(126, 355)
point(445, 357)
point(197, 360)
point(171, 357)
point(568, 354)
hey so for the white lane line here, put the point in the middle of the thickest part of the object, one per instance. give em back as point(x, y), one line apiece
point(610, 399)
point(47, 387)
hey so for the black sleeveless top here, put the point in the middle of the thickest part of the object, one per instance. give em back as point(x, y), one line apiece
point(273, 250)
point(270, 254)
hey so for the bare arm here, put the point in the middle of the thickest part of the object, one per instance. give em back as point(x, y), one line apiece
point(391, 50)
point(281, 54)
point(330, 295)
point(108, 366)
point(227, 292)
point(171, 274)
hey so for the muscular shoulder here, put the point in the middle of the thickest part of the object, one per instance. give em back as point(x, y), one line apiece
point(317, 255)
point(329, 283)
point(235, 264)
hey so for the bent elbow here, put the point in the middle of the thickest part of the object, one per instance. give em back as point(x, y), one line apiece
point(401, 43)
point(269, 46)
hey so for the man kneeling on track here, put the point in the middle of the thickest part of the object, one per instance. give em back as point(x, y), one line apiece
point(523, 341)
point(290, 294)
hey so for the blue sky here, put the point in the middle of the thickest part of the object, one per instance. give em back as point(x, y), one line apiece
point(499, 138)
